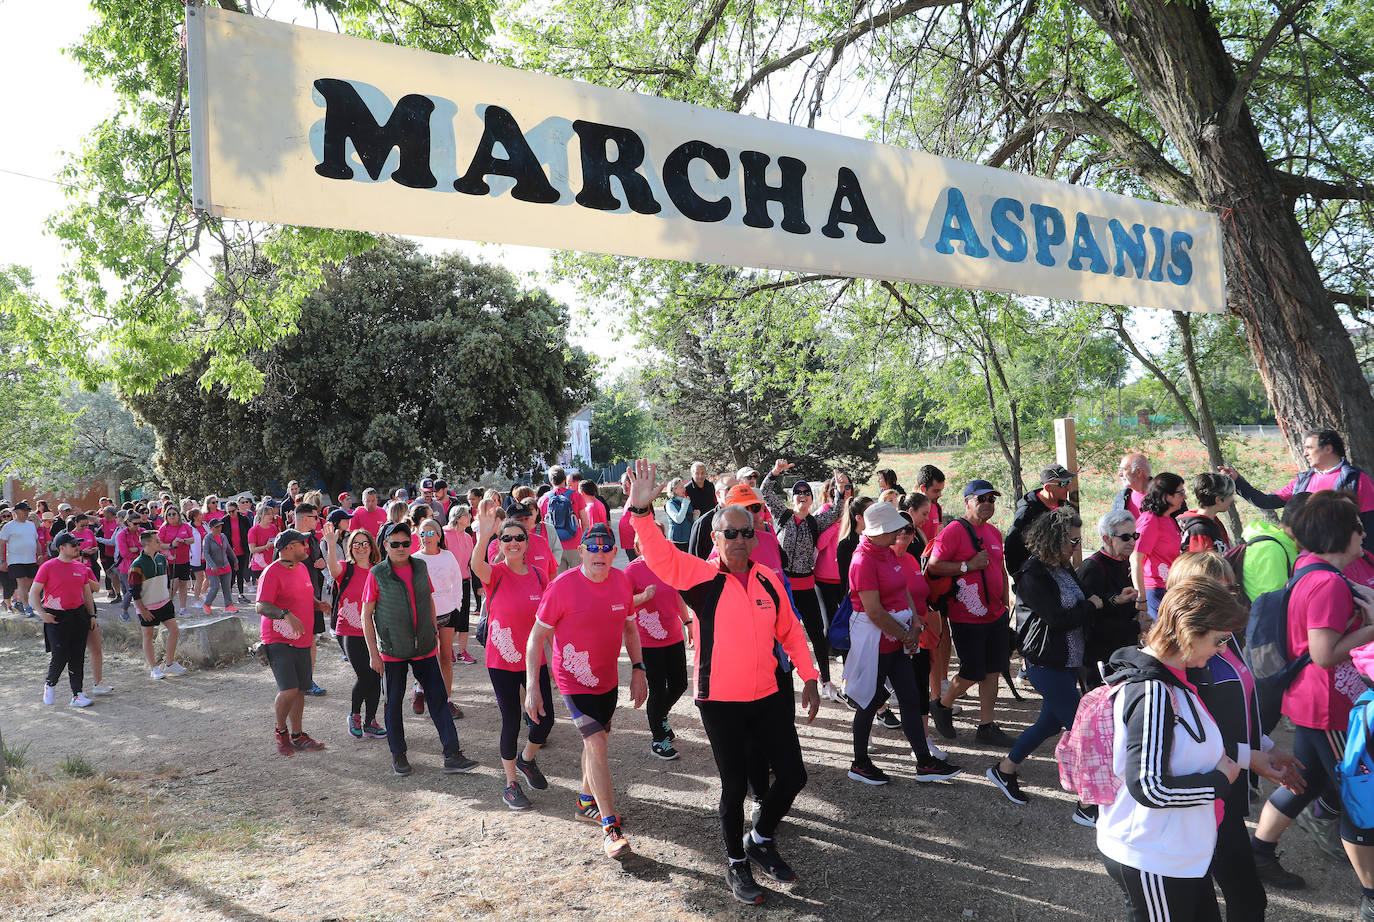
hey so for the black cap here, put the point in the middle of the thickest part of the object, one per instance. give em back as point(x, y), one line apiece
point(599, 533)
point(290, 536)
point(66, 538)
point(337, 516)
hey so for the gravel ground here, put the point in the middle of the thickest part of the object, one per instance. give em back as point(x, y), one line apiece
point(335, 835)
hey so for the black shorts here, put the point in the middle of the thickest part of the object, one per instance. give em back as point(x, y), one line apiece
point(23, 570)
point(181, 571)
point(290, 666)
point(984, 649)
point(447, 619)
point(158, 615)
point(319, 621)
point(592, 713)
point(197, 568)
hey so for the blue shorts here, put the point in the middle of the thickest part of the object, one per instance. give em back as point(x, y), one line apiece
point(592, 713)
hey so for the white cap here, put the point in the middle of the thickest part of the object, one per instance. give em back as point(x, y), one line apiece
point(881, 518)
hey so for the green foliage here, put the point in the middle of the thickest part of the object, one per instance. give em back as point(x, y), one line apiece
point(621, 426)
point(35, 430)
point(16, 757)
point(400, 362)
point(76, 766)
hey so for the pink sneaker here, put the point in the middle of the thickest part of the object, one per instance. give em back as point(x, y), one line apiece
point(231, 609)
point(466, 658)
point(207, 609)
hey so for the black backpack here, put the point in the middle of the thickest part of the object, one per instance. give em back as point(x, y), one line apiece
point(1266, 647)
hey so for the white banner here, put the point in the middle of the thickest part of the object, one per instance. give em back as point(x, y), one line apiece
point(298, 126)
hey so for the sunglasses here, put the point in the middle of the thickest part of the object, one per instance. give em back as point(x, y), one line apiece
point(1075, 541)
point(733, 533)
point(1133, 536)
point(1058, 483)
point(507, 539)
point(806, 493)
point(398, 544)
point(986, 500)
point(357, 544)
point(430, 533)
point(591, 548)
point(756, 508)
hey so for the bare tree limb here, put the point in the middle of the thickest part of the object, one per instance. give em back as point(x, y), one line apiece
point(1230, 112)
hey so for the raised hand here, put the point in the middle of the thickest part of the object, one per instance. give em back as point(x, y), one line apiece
point(779, 466)
point(643, 486)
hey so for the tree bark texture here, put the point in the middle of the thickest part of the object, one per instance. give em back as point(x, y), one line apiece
point(1304, 354)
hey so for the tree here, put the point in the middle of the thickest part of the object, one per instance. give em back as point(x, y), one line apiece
point(402, 362)
point(35, 430)
point(621, 427)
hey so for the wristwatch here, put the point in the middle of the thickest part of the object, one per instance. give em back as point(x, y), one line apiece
point(639, 666)
point(963, 566)
point(639, 510)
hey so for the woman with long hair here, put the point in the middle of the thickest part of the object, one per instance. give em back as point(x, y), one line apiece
point(351, 578)
point(446, 581)
point(1159, 537)
point(460, 540)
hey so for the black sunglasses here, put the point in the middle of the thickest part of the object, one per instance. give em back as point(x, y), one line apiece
point(1133, 536)
point(398, 544)
point(733, 533)
point(507, 539)
point(986, 500)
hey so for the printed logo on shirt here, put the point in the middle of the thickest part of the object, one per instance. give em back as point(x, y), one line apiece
point(284, 628)
point(969, 597)
point(350, 612)
point(617, 607)
point(577, 663)
point(648, 619)
point(500, 635)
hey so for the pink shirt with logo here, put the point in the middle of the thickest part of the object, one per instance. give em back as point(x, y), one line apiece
point(350, 622)
point(587, 620)
point(512, 604)
point(660, 618)
point(1331, 480)
point(972, 602)
point(1158, 544)
point(181, 553)
point(288, 588)
point(1320, 699)
point(64, 582)
point(261, 535)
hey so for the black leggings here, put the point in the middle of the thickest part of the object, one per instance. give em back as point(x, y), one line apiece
point(460, 620)
point(666, 670)
point(241, 572)
point(1156, 898)
point(809, 607)
point(509, 685)
point(67, 641)
point(367, 688)
point(897, 668)
point(1233, 862)
point(738, 730)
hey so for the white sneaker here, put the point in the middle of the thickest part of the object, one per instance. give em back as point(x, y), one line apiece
point(79, 700)
point(174, 669)
point(828, 692)
point(935, 751)
point(157, 673)
point(48, 693)
point(99, 689)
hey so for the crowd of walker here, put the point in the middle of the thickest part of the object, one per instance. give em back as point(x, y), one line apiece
point(759, 579)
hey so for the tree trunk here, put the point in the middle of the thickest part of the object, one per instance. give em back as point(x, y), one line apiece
point(1304, 355)
point(1206, 425)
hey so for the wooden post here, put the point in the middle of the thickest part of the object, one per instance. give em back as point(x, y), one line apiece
point(1066, 453)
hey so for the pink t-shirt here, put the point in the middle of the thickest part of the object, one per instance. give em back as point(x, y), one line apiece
point(64, 582)
point(259, 535)
point(874, 568)
point(1158, 545)
point(659, 619)
point(827, 562)
point(625, 530)
point(88, 542)
point(460, 545)
point(288, 588)
point(371, 522)
point(931, 526)
point(537, 554)
point(916, 583)
point(181, 553)
point(1133, 503)
point(214, 515)
point(1320, 699)
point(511, 610)
point(129, 547)
point(350, 623)
point(1331, 480)
point(596, 512)
point(579, 502)
point(587, 620)
point(971, 604)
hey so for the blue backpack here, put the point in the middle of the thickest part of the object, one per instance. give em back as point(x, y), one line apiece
point(1356, 768)
point(561, 511)
point(838, 635)
point(1266, 647)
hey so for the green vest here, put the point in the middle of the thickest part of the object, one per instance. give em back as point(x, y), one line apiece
point(401, 634)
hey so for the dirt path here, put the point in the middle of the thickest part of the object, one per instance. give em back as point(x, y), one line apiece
point(335, 835)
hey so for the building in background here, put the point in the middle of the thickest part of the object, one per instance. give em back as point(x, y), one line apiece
point(577, 444)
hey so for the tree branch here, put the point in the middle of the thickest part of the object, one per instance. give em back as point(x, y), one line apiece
point(1355, 299)
point(1323, 190)
point(712, 18)
point(1231, 111)
point(1142, 157)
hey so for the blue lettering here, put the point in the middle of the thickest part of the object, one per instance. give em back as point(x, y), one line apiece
point(959, 226)
point(1049, 231)
point(1130, 245)
point(1085, 245)
point(1157, 267)
point(1181, 268)
point(1004, 228)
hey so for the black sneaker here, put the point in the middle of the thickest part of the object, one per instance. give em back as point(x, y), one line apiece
point(1085, 815)
point(1326, 832)
point(889, 719)
point(1271, 872)
point(515, 798)
point(1009, 785)
point(401, 765)
point(993, 735)
point(531, 773)
point(849, 702)
point(1366, 910)
point(664, 750)
point(455, 763)
point(740, 877)
point(668, 733)
point(868, 774)
point(766, 856)
point(934, 769)
point(943, 719)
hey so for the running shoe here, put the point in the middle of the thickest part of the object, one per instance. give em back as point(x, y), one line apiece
point(49, 694)
point(231, 609)
point(664, 750)
point(466, 658)
point(828, 692)
point(613, 841)
point(888, 719)
point(740, 878)
point(455, 763)
point(1366, 910)
point(993, 735)
point(173, 669)
point(765, 855)
point(668, 733)
point(1271, 872)
point(303, 743)
point(515, 798)
point(374, 731)
point(868, 774)
point(934, 769)
point(418, 704)
point(1010, 785)
point(314, 690)
point(207, 609)
point(1325, 832)
point(283, 740)
point(157, 673)
point(79, 700)
point(531, 773)
point(101, 689)
point(124, 614)
point(587, 810)
point(355, 726)
point(401, 765)
point(455, 711)
point(1085, 815)
point(943, 719)
point(243, 599)
point(847, 701)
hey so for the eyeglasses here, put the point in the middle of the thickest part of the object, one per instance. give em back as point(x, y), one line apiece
point(1221, 641)
point(1133, 536)
point(429, 533)
point(732, 533)
point(507, 539)
point(1075, 541)
point(398, 544)
point(590, 548)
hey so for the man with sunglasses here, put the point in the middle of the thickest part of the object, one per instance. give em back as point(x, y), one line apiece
point(742, 618)
point(969, 549)
point(1053, 492)
point(588, 613)
point(287, 605)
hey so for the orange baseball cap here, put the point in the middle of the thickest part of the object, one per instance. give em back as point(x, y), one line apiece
point(741, 494)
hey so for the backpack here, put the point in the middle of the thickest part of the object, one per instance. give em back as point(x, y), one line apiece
point(1351, 480)
point(838, 633)
point(942, 587)
point(561, 511)
point(1085, 751)
point(1355, 771)
point(1266, 647)
point(1235, 556)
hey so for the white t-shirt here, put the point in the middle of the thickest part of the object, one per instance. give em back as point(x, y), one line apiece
point(21, 541)
point(447, 579)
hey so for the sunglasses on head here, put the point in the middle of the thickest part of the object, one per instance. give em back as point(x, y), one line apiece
point(398, 544)
point(507, 539)
point(733, 533)
point(1133, 536)
point(595, 548)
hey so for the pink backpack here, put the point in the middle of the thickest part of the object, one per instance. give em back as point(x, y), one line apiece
point(1084, 751)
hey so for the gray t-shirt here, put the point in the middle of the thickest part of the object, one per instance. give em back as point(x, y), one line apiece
point(1069, 596)
point(21, 541)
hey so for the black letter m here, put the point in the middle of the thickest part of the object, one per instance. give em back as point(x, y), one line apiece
point(346, 117)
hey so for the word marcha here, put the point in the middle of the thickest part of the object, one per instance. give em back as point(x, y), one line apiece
point(1150, 253)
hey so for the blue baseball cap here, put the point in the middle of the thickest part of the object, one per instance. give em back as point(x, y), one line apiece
point(599, 534)
point(980, 488)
